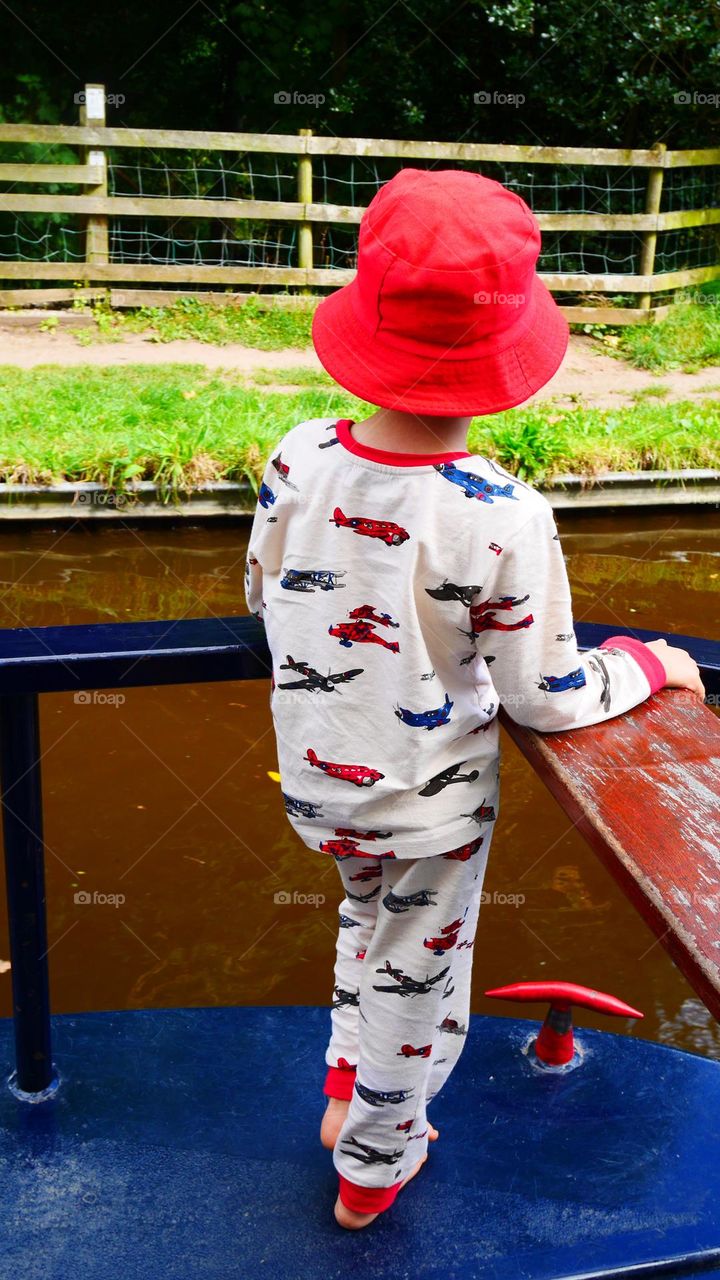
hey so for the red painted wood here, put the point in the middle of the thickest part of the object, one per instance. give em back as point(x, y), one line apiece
point(644, 791)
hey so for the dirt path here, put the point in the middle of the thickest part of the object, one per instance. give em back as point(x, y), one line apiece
point(587, 373)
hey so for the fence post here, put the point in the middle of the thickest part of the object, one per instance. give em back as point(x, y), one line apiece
point(653, 197)
point(92, 112)
point(305, 195)
point(25, 879)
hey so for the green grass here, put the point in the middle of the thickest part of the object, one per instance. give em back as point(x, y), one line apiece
point(687, 339)
point(249, 323)
point(179, 425)
point(653, 392)
point(292, 378)
point(542, 442)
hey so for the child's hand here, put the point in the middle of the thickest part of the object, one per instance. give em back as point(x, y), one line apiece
point(681, 671)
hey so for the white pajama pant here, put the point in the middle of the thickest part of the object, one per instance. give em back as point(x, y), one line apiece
point(401, 1003)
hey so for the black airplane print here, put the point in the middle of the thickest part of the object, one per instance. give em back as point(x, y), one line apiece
point(452, 591)
point(314, 680)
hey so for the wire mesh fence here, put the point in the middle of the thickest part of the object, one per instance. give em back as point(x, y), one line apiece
point(137, 238)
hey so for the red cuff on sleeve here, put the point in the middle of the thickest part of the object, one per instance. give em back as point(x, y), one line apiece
point(366, 1199)
point(651, 665)
point(339, 1082)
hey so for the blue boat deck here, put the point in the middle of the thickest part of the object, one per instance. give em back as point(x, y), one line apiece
point(184, 1143)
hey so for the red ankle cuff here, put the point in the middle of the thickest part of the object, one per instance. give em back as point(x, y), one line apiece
point(366, 1199)
point(339, 1082)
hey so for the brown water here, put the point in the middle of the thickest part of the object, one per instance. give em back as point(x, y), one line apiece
point(164, 796)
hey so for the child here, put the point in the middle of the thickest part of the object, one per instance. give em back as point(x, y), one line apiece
point(408, 587)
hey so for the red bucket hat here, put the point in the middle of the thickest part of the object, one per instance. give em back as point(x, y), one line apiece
point(446, 315)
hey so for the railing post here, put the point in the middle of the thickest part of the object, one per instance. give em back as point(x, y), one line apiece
point(653, 197)
point(25, 878)
point(92, 112)
point(305, 195)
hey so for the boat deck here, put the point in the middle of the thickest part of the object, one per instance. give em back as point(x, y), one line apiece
point(184, 1144)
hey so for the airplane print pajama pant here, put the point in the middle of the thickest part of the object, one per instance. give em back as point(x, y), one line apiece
point(400, 1008)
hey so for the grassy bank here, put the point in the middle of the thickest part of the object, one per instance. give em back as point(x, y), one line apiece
point(249, 323)
point(180, 425)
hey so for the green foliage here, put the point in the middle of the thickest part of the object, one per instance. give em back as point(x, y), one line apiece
point(544, 441)
point(375, 70)
point(525, 442)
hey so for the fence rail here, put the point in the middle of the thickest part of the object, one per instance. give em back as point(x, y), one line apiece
point(101, 212)
point(307, 143)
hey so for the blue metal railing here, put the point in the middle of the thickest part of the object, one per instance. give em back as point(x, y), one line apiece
point(122, 656)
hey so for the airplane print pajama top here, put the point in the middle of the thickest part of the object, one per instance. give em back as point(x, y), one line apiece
point(404, 601)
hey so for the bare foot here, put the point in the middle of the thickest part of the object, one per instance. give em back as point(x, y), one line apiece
point(334, 1119)
point(356, 1221)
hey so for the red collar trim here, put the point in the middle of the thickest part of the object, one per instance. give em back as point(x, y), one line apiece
point(388, 456)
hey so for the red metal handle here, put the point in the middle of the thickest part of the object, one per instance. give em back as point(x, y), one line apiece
point(555, 1044)
point(565, 994)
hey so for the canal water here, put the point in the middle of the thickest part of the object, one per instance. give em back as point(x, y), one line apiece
point(173, 875)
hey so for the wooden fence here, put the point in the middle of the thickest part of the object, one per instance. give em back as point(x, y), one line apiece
point(98, 273)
